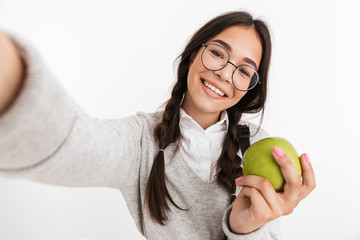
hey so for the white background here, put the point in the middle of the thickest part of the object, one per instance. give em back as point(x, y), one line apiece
point(116, 59)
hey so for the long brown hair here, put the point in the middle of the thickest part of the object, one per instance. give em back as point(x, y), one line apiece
point(168, 130)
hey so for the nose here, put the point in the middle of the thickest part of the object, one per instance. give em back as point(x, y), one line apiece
point(225, 73)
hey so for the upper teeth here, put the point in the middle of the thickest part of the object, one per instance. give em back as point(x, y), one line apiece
point(214, 89)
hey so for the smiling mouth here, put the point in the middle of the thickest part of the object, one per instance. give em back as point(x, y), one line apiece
point(213, 88)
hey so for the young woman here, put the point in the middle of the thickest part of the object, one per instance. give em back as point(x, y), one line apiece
point(177, 169)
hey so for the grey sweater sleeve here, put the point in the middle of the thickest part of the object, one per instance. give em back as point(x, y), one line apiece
point(46, 137)
point(270, 231)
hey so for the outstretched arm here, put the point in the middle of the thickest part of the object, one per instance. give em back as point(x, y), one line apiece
point(47, 137)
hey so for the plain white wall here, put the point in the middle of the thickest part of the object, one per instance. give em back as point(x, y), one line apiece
point(116, 59)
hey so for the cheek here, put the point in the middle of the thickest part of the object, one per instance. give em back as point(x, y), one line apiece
point(196, 66)
point(238, 96)
point(190, 82)
point(194, 70)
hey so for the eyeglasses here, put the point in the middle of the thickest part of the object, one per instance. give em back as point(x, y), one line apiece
point(215, 57)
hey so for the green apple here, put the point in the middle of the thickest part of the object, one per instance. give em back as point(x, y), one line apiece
point(258, 160)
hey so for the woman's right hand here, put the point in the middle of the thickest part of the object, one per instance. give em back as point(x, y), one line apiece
point(258, 203)
point(11, 71)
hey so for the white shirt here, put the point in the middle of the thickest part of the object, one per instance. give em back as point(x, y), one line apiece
point(202, 148)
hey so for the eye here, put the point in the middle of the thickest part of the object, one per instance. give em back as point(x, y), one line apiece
point(217, 54)
point(244, 72)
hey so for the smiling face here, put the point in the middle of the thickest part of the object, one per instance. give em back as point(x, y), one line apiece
point(210, 92)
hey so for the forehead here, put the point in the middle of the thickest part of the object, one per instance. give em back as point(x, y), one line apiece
point(243, 41)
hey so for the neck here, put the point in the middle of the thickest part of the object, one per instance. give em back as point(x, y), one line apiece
point(204, 119)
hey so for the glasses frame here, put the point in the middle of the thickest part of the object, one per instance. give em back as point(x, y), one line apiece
point(236, 67)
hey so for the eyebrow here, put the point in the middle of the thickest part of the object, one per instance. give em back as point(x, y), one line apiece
point(221, 42)
point(251, 62)
point(228, 47)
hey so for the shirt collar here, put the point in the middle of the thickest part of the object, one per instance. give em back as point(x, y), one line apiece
point(187, 120)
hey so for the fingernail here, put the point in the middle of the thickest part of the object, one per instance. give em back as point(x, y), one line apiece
point(278, 151)
point(238, 179)
point(307, 159)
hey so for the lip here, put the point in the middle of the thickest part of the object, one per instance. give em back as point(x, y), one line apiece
point(211, 93)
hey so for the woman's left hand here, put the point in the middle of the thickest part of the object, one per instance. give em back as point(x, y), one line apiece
point(258, 202)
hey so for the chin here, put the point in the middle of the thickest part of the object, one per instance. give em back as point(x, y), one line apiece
point(208, 107)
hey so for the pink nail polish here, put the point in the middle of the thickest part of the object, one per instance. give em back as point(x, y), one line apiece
point(238, 179)
point(278, 151)
point(307, 159)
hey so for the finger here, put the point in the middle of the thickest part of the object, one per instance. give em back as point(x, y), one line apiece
point(264, 187)
point(257, 202)
point(292, 177)
point(309, 182)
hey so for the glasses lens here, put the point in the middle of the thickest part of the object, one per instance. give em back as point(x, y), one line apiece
point(245, 77)
point(214, 57)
